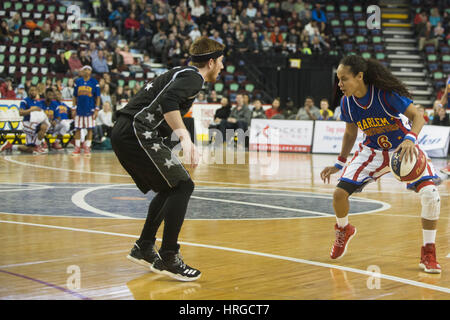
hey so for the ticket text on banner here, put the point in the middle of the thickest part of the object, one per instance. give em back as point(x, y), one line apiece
point(281, 135)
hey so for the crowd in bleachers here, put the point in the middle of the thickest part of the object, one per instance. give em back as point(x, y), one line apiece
point(431, 27)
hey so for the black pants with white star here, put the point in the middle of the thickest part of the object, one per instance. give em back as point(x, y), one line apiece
point(153, 166)
point(145, 156)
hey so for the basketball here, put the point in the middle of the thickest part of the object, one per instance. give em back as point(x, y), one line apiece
point(408, 171)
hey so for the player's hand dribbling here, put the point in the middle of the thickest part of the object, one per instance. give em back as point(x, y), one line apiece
point(327, 172)
point(408, 149)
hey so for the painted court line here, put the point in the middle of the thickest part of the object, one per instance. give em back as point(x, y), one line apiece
point(47, 284)
point(255, 253)
point(8, 158)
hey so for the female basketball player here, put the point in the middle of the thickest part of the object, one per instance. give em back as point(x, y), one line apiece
point(140, 138)
point(373, 101)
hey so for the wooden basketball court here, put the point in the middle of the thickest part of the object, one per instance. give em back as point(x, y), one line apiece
point(259, 231)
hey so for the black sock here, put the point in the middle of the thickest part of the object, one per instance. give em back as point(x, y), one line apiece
point(153, 221)
point(174, 211)
point(171, 207)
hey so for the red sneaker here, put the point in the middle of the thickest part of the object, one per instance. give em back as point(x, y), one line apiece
point(6, 146)
point(39, 150)
point(343, 237)
point(76, 151)
point(446, 170)
point(56, 145)
point(428, 259)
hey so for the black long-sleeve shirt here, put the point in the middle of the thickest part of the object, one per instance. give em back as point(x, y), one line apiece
point(175, 89)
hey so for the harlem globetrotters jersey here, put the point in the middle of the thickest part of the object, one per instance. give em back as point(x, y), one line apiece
point(173, 90)
point(379, 115)
point(86, 93)
point(27, 103)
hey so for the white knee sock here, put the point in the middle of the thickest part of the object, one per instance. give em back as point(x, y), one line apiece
point(429, 236)
point(342, 222)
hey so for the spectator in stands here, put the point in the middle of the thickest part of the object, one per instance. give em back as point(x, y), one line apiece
point(118, 59)
point(266, 43)
point(254, 44)
point(83, 38)
point(289, 111)
point(41, 90)
point(427, 36)
point(67, 91)
point(127, 56)
point(120, 95)
point(436, 105)
point(442, 118)
point(20, 92)
point(85, 58)
point(116, 18)
point(274, 110)
point(221, 114)
point(319, 16)
point(75, 63)
point(200, 98)
point(99, 64)
point(15, 23)
point(309, 111)
point(113, 38)
point(276, 37)
point(439, 31)
point(212, 97)
point(420, 20)
point(244, 19)
point(435, 17)
point(251, 11)
point(7, 89)
point(216, 36)
point(241, 44)
point(132, 27)
point(258, 111)
point(195, 33)
point(45, 36)
point(105, 95)
point(103, 123)
point(421, 110)
point(325, 112)
point(5, 33)
point(57, 35)
point(158, 43)
point(300, 8)
point(197, 9)
point(68, 35)
point(337, 113)
point(61, 65)
point(306, 49)
point(51, 20)
point(239, 118)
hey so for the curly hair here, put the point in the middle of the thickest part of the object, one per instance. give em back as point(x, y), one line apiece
point(375, 73)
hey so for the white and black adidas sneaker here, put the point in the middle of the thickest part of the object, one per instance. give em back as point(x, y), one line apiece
point(171, 264)
point(144, 258)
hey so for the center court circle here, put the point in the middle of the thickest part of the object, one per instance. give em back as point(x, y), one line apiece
point(207, 203)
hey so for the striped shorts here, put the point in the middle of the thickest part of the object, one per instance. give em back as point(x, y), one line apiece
point(84, 122)
point(369, 164)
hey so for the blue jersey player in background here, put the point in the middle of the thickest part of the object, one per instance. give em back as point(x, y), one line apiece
point(86, 103)
point(35, 124)
point(375, 101)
